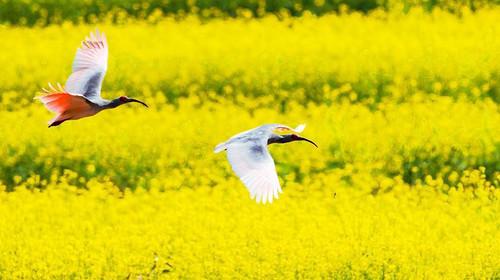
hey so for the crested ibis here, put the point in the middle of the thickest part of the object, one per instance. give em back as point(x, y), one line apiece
point(81, 95)
point(251, 161)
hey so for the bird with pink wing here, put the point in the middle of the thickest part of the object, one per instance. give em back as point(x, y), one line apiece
point(81, 95)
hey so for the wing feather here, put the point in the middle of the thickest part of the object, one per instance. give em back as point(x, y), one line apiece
point(89, 67)
point(253, 164)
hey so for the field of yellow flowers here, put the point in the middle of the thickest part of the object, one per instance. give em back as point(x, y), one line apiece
point(405, 183)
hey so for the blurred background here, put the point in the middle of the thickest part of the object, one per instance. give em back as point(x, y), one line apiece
point(402, 98)
point(41, 13)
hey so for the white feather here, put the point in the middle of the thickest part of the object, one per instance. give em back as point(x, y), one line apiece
point(91, 60)
point(300, 128)
point(257, 172)
point(221, 147)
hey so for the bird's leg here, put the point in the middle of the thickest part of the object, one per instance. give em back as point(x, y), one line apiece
point(58, 122)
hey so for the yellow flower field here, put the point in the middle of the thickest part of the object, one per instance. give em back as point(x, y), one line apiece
point(405, 183)
point(218, 232)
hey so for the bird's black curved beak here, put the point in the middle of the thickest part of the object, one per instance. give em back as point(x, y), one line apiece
point(138, 101)
point(305, 139)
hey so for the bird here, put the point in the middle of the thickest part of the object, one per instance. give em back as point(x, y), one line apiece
point(81, 95)
point(250, 159)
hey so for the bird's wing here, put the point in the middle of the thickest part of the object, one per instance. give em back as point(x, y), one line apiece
point(281, 128)
point(89, 67)
point(253, 164)
point(59, 101)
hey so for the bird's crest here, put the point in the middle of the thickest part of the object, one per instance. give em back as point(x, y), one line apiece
point(281, 129)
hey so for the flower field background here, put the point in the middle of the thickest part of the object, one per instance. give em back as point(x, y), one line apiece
point(403, 106)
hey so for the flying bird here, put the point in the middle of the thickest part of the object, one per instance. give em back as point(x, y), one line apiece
point(251, 161)
point(81, 95)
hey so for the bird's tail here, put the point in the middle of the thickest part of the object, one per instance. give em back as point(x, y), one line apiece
point(221, 147)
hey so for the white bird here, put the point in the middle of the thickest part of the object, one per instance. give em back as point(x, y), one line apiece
point(251, 161)
point(81, 96)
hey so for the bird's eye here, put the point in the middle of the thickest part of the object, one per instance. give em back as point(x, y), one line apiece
point(295, 136)
point(123, 99)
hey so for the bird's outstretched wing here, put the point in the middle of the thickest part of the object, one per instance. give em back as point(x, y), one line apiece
point(253, 164)
point(89, 67)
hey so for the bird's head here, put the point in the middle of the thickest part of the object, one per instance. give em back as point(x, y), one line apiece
point(278, 137)
point(124, 99)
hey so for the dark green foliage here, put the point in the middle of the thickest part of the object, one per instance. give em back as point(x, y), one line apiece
point(34, 12)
